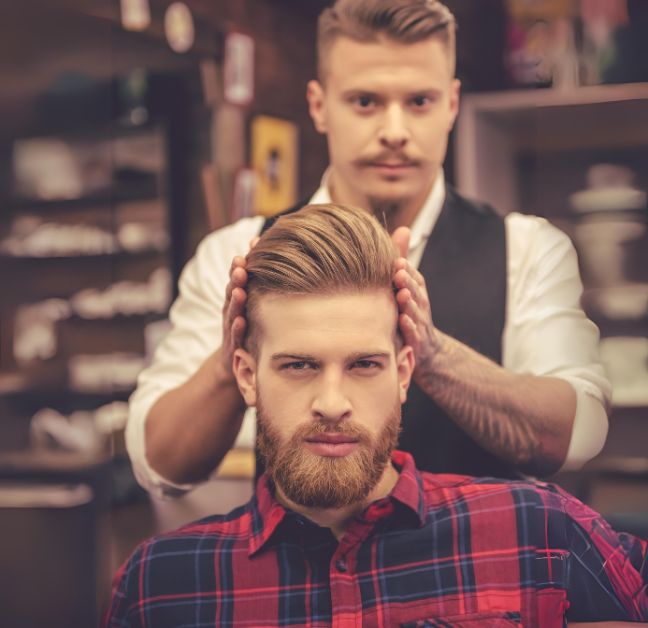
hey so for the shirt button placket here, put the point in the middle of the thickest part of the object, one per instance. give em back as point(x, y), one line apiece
point(345, 593)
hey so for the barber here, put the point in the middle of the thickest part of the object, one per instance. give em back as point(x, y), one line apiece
point(507, 377)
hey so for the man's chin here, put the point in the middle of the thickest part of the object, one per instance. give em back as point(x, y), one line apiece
point(319, 481)
point(389, 197)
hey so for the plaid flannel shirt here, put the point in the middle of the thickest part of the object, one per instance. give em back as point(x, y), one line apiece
point(440, 550)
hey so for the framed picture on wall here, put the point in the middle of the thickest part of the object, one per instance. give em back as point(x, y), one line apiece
point(274, 160)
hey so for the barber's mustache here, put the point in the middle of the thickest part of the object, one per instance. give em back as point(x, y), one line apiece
point(392, 158)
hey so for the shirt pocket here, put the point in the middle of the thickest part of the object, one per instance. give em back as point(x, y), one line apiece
point(489, 619)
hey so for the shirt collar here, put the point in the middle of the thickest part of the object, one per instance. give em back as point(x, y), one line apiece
point(425, 220)
point(409, 488)
point(267, 513)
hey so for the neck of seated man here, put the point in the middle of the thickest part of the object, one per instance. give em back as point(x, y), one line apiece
point(338, 519)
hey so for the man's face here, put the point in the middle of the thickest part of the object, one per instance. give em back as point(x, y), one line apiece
point(387, 109)
point(328, 383)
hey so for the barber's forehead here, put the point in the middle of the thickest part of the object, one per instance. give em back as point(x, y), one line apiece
point(347, 57)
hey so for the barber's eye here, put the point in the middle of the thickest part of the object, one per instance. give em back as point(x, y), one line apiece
point(363, 102)
point(421, 102)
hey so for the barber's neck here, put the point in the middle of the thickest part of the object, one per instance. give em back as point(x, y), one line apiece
point(392, 213)
point(338, 519)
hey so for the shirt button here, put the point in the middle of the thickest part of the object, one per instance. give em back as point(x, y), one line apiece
point(341, 565)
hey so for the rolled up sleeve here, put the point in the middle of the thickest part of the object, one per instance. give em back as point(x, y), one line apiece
point(548, 334)
point(195, 333)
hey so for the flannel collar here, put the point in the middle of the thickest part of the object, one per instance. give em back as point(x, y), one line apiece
point(267, 514)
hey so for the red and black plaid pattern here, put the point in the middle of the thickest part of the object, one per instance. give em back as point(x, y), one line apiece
point(441, 550)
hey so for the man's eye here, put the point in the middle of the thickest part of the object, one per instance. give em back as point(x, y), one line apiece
point(421, 102)
point(364, 103)
point(366, 364)
point(301, 365)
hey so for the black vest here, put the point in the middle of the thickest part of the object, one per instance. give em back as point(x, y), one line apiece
point(464, 265)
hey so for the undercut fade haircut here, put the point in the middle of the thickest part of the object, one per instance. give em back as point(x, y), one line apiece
point(319, 250)
point(403, 21)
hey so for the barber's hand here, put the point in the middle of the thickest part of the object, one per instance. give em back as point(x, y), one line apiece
point(233, 311)
point(234, 323)
point(415, 315)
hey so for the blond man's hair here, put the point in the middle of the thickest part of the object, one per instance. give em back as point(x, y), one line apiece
point(319, 250)
point(403, 21)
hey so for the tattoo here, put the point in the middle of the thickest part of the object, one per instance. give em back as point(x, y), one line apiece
point(505, 424)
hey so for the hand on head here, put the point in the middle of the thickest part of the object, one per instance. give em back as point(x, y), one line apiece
point(234, 323)
point(415, 314)
point(415, 319)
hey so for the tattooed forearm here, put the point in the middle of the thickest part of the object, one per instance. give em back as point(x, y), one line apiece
point(523, 419)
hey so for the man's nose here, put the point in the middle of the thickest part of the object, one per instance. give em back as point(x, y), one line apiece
point(331, 402)
point(394, 133)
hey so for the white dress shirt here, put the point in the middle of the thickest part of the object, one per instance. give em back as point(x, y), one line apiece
point(546, 332)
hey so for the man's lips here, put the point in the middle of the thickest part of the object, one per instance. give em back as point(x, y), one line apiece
point(392, 165)
point(331, 445)
point(391, 168)
point(334, 439)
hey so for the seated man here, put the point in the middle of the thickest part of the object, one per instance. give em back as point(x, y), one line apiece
point(343, 530)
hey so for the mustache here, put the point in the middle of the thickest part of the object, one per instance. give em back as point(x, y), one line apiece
point(403, 159)
point(325, 427)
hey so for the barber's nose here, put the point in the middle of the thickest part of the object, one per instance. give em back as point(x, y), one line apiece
point(331, 403)
point(394, 133)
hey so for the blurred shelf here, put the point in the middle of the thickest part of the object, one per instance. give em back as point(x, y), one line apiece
point(89, 257)
point(145, 192)
point(12, 381)
point(630, 465)
point(134, 189)
point(42, 395)
point(35, 460)
point(238, 463)
point(623, 399)
point(495, 129)
point(553, 119)
point(616, 327)
point(144, 317)
point(521, 99)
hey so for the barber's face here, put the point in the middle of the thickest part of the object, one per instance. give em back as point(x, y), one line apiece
point(328, 383)
point(387, 109)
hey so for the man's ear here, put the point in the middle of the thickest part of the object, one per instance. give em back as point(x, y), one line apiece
point(244, 367)
point(405, 367)
point(455, 91)
point(317, 105)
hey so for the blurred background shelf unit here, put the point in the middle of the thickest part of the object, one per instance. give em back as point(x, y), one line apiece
point(510, 143)
point(580, 159)
point(86, 243)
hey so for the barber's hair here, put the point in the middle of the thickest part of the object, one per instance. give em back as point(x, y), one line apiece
point(319, 250)
point(403, 21)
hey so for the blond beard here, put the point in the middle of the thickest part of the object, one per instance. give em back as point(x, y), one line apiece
point(326, 482)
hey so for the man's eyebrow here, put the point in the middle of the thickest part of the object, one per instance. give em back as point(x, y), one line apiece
point(366, 355)
point(429, 90)
point(359, 355)
point(292, 356)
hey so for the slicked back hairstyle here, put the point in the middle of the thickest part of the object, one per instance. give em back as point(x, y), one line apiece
point(319, 250)
point(403, 21)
